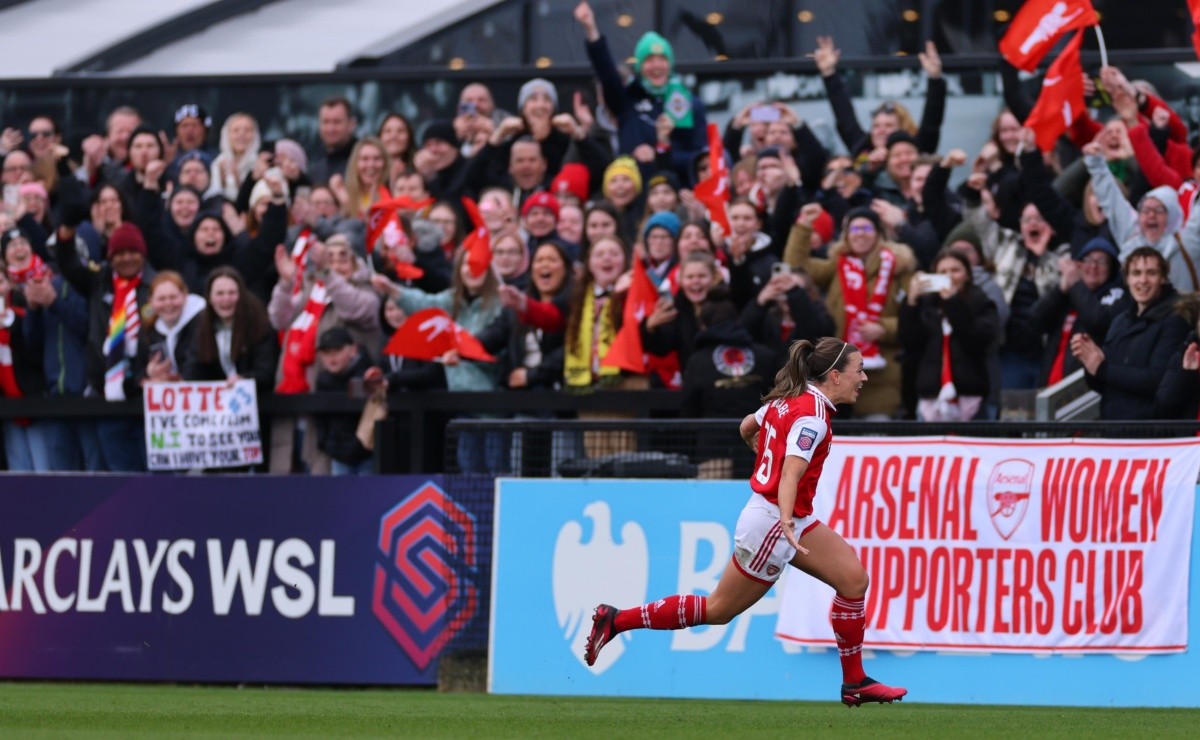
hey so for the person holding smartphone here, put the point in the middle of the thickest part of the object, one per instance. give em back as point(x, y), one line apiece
point(949, 323)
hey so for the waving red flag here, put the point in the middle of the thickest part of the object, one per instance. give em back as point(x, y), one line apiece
point(479, 242)
point(714, 190)
point(382, 213)
point(626, 351)
point(1038, 26)
point(430, 333)
point(1061, 99)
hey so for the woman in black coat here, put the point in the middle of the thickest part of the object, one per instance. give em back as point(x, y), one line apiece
point(1129, 368)
point(955, 314)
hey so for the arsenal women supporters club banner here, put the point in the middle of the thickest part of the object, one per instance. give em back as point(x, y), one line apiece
point(1073, 546)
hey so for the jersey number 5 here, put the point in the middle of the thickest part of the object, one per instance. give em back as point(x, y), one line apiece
point(763, 474)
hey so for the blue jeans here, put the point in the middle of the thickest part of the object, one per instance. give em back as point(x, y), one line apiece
point(1017, 372)
point(74, 445)
point(366, 467)
point(122, 444)
point(483, 452)
point(27, 447)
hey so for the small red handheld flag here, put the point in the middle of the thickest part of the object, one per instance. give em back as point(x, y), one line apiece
point(430, 333)
point(1038, 26)
point(1061, 99)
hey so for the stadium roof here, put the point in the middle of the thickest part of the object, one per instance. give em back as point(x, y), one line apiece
point(194, 37)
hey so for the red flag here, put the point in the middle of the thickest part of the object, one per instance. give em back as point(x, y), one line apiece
point(1038, 26)
point(406, 271)
point(1061, 99)
point(430, 333)
point(1194, 7)
point(479, 242)
point(472, 209)
point(378, 216)
point(626, 351)
point(714, 191)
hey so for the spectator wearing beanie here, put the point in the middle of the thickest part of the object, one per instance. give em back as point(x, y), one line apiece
point(893, 182)
point(439, 162)
point(1087, 297)
point(656, 87)
point(539, 219)
point(192, 124)
point(660, 239)
point(622, 186)
point(116, 293)
point(571, 185)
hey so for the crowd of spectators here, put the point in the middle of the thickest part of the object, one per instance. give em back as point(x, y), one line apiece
point(148, 257)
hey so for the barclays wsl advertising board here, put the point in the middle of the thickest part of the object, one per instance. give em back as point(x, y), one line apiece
point(1009, 599)
point(236, 579)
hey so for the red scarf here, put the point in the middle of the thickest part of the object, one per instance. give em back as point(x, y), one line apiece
point(300, 344)
point(947, 385)
point(8, 378)
point(1056, 370)
point(300, 257)
point(36, 269)
point(858, 309)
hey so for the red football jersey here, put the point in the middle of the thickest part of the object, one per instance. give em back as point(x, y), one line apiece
point(797, 426)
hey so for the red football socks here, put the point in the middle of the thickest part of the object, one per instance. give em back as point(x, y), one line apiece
point(671, 613)
point(849, 618)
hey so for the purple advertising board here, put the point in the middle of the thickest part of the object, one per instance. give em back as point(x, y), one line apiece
point(236, 579)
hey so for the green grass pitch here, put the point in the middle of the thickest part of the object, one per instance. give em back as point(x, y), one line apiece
point(137, 710)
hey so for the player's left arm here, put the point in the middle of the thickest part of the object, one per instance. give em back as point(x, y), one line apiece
point(789, 480)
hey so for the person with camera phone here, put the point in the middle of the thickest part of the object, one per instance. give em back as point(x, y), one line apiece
point(949, 322)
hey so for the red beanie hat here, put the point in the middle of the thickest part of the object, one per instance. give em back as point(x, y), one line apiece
point(126, 237)
point(823, 226)
point(543, 200)
point(574, 179)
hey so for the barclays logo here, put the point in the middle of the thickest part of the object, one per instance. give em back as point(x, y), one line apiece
point(602, 569)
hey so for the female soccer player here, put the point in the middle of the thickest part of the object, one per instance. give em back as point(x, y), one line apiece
point(791, 435)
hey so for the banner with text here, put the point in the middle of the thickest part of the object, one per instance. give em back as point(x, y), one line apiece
point(258, 578)
point(201, 425)
point(1029, 546)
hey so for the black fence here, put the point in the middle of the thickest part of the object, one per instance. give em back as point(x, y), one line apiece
point(668, 447)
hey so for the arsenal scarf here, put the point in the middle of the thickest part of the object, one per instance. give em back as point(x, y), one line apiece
point(34, 270)
point(8, 378)
point(861, 309)
point(120, 344)
point(304, 240)
point(1064, 340)
point(300, 343)
point(948, 392)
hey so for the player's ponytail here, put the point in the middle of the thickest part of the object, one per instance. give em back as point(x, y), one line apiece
point(808, 362)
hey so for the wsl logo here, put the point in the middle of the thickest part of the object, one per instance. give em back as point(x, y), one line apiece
point(426, 575)
point(600, 570)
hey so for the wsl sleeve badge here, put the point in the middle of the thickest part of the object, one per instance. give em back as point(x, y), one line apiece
point(808, 438)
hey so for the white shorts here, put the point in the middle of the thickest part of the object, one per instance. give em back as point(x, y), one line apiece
point(760, 551)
